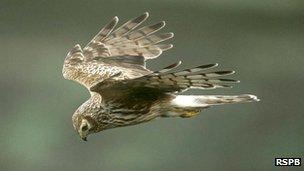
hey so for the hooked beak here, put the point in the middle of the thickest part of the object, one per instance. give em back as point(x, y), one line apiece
point(84, 138)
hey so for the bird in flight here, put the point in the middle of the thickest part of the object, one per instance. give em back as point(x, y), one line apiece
point(112, 66)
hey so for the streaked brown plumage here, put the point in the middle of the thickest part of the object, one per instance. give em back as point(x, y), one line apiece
point(124, 92)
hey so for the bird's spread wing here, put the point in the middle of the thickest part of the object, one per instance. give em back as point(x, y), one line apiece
point(123, 49)
point(126, 40)
point(168, 82)
point(196, 78)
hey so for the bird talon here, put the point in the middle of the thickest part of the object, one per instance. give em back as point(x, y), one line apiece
point(189, 114)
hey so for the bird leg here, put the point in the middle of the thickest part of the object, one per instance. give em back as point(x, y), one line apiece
point(190, 113)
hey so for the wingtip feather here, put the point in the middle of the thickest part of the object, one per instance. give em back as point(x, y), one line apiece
point(253, 97)
point(146, 14)
point(163, 23)
point(115, 19)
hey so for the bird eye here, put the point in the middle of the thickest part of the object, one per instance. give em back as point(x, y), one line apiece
point(84, 128)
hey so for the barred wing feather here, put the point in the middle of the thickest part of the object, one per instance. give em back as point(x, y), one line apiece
point(196, 78)
point(126, 40)
point(123, 49)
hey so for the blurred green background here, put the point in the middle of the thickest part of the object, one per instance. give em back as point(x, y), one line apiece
point(262, 40)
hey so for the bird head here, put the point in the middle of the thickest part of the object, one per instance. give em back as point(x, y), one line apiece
point(84, 125)
point(84, 129)
point(85, 120)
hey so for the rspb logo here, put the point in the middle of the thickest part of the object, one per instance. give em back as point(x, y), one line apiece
point(287, 162)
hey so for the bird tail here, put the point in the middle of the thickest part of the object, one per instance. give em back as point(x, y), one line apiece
point(190, 105)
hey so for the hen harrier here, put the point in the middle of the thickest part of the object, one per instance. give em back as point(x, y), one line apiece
point(124, 92)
